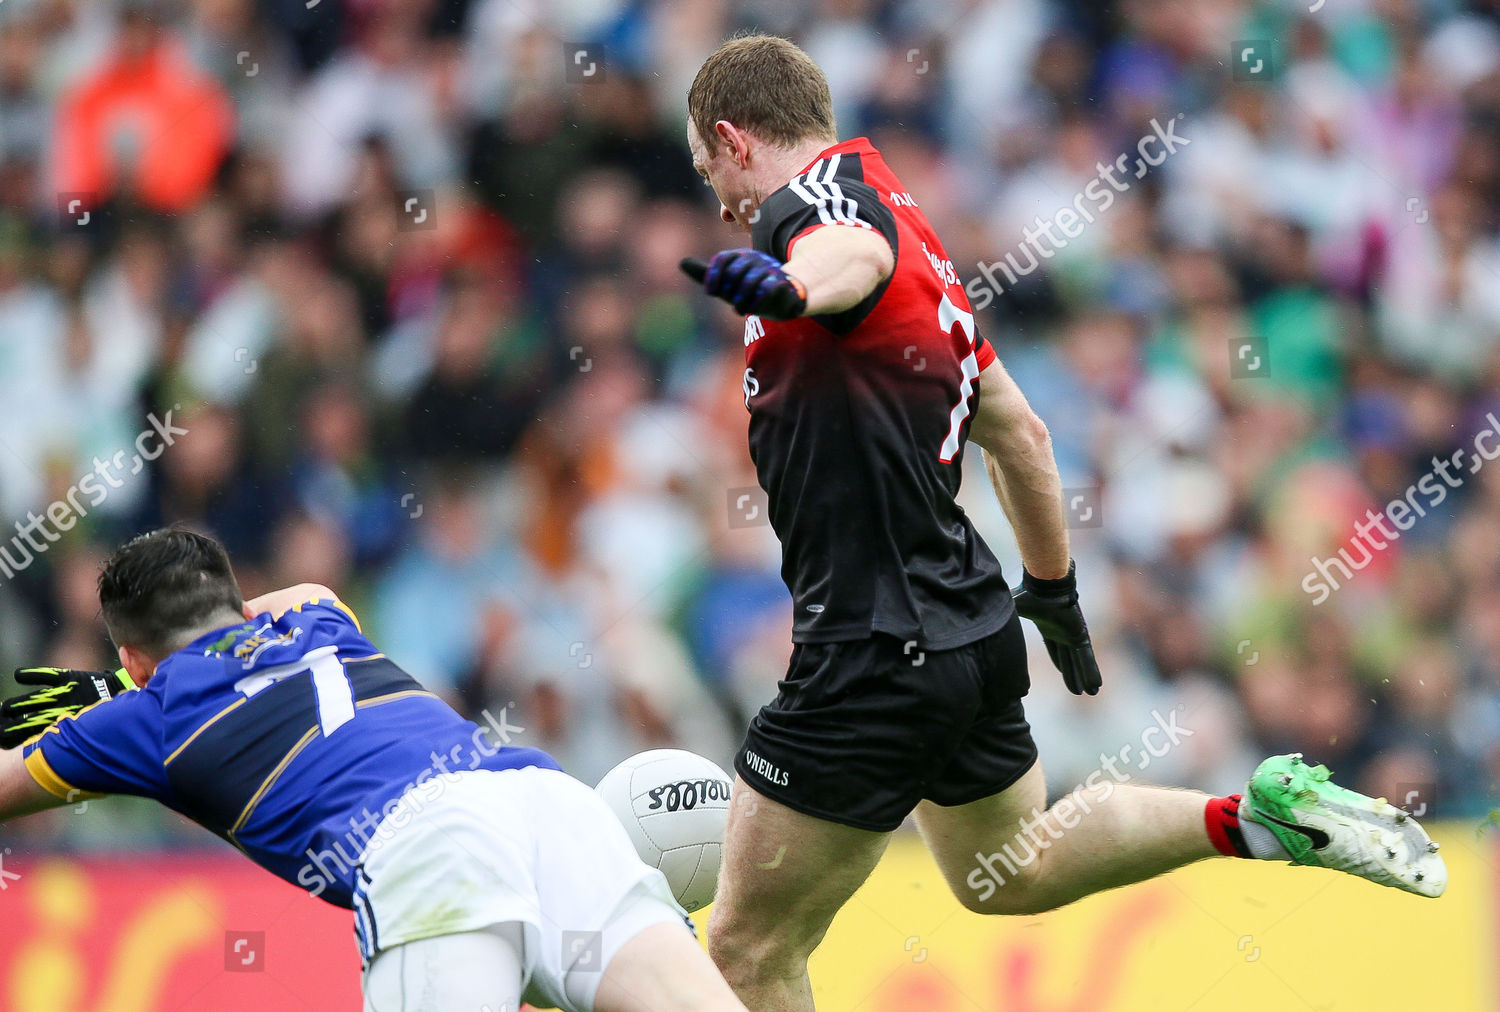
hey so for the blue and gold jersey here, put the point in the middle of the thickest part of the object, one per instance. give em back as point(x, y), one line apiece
point(287, 737)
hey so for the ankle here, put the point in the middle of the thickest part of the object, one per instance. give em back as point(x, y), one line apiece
point(1221, 817)
point(1235, 832)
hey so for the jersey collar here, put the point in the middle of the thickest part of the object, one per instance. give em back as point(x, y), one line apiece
point(204, 644)
point(853, 146)
point(198, 648)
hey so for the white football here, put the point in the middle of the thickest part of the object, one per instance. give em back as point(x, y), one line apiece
point(674, 805)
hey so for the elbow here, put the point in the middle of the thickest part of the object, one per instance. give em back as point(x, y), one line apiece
point(1035, 434)
point(868, 269)
point(871, 260)
point(881, 261)
point(312, 592)
point(1022, 437)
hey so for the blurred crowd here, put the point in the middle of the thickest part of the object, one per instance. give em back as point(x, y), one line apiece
point(405, 273)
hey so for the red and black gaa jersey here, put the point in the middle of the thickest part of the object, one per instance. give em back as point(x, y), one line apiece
point(858, 421)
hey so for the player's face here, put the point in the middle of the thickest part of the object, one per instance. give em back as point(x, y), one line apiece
point(730, 182)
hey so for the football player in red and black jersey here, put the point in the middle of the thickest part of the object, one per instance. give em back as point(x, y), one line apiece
point(865, 377)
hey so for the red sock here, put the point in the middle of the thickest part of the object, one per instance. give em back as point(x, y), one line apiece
point(1222, 817)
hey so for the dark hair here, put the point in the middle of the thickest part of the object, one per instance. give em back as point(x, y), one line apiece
point(162, 585)
point(766, 85)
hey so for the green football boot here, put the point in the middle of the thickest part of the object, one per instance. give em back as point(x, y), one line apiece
point(1327, 826)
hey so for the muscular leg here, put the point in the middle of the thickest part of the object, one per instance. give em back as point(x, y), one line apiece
point(663, 968)
point(998, 857)
point(783, 878)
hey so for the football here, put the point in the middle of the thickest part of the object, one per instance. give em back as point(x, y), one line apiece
point(674, 805)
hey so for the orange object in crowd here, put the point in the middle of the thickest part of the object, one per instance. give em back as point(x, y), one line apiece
point(147, 123)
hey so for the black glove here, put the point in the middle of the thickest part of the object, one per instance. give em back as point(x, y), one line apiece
point(62, 692)
point(1052, 606)
point(754, 283)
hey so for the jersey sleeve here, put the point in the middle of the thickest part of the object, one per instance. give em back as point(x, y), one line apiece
point(330, 607)
point(984, 352)
point(817, 200)
point(112, 747)
point(331, 621)
point(803, 206)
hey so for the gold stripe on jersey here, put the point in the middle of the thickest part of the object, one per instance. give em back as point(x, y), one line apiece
point(392, 697)
point(42, 772)
point(273, 776)
point(201, 728)
point(337, 604)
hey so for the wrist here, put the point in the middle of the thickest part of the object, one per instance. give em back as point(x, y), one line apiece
point(799, 290)
point(786, 301)
point(1066, 584)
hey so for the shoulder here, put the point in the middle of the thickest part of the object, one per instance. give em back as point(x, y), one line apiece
point(325, 600)
point(832, 181)
point(833, 190)
point(311, 598)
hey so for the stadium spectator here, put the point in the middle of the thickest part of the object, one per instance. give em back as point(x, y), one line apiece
point(145, 126)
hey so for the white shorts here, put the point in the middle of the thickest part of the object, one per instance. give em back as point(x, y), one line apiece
point(529, 846)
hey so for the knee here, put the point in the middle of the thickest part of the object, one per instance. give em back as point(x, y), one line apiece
point(1015, 902)
point(990, 892)
point(749, 954)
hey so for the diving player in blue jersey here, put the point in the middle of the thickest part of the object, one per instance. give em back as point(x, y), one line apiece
point(479, 874)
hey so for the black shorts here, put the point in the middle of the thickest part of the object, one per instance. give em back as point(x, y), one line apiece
point(861, 731)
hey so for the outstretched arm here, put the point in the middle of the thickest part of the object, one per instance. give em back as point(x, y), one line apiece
point(1018, 457)
point(20, 794)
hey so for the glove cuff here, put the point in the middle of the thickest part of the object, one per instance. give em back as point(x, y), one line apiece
point(785, 303)
point(801, 290)
point(1063, 585)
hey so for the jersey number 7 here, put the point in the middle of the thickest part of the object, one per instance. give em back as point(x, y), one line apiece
point(948, 315)
point(331, 688)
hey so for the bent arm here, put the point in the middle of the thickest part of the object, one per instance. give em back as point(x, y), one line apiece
point(1018, 456)
point(840, 265)
point(279, 602)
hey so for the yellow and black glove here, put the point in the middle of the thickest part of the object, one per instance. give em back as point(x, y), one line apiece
point(59, 693)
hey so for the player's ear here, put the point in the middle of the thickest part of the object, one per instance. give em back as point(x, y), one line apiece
point(736, 143)
point(137, 665)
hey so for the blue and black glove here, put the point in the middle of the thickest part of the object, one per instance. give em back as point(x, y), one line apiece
point(1052, 606)
point(754, 283)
